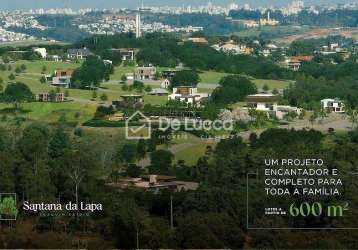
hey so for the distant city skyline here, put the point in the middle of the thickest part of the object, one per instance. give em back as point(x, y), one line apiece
point(78, 4)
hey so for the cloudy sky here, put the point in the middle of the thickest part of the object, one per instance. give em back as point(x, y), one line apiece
point(27, 4)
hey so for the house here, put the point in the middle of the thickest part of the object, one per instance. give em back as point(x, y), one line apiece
point(79, 54)
point(135, 101)
point(188, 95)
point(144, 73)
point(40, 51)
point(165, 84)
point(263, 102)
point(54, 58)
point(129, 76)
point(62, 78)
point(153, 183)
point(295, 62)
point(48, 97)
point(199, 40)
point(269, 103)
point(282, 111)
point(127, 54)
point(159, 92)
point(333, 105)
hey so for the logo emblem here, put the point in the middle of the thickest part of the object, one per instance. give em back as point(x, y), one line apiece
point(142, 131)
point(8, 208)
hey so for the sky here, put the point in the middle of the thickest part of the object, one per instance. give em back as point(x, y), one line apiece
point(76, 4)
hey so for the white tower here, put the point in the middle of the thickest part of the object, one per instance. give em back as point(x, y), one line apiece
point(138, 32)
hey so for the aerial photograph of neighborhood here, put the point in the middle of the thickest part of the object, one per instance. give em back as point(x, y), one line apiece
point(189, 124)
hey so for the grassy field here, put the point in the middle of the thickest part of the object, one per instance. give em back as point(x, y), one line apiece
point(82, 100)
point(211, 76)
point(29, 42)
point(51, 112)
point(272, 84)
point(120, 71)
point(274, 31)
point(215, 77)
point(35, 67)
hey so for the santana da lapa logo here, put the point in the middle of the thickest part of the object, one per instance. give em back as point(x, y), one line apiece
point(8, 208)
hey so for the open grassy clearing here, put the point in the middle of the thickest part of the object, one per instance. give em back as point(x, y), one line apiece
point(120, 71)
point(51, 112)
point(30, 42)
point(272, 84)
point(35, 67)
point(211, 76)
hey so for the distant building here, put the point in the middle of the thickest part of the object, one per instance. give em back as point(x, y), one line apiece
point(333, 105)
point(62, 78)
point(200, 40)
point(154, 183)
point(79, 54)
point(159, 92)
point(54, 58)
point(48, 97)
point(269, 103)
point(268, 21)
point(295, 62)
point(263, 102)
point(41, 51)
point(144, 73)
point(188, 95)
point(138, 26)
point(127, 54)
point(134, 101)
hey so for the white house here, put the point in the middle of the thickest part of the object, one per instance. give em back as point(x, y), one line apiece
point(41, 51)
point(269, 103)
point(263, 102)
point(188, 95)
point(334, 105)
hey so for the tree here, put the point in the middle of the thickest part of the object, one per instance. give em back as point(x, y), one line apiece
point(43, 79)
point(94, 95)
point(59, 143)
point(266, 87)
point(233, 89)
point(141, 148)
point(133, 171)
point(17, 93)
point(104, 97)
point(128, 153)
point(161, 161)
point(23, 67)
point(12, 77)
point(123, 78)
point(186, 78)
point(91, 73)
point(148, 88)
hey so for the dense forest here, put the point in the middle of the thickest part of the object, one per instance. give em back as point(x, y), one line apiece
point(39, 163)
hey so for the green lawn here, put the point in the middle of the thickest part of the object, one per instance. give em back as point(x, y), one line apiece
point(211, 76)
point(35, 67)
point(120, 71)
point(51, 112)
point(272, 84)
